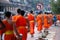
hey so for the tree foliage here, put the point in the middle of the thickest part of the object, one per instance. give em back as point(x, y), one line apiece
point(55, 6)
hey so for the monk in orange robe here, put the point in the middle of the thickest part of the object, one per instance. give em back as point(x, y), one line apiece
point(50, 20)
point(31, 22)
point(21, 24)
point(58, 17)
point(39, 22)
point(51, 17)
point(45, 21)
point(9, 34)
point(46, 24)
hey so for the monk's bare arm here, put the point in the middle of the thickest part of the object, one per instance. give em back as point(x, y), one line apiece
point(15, 31)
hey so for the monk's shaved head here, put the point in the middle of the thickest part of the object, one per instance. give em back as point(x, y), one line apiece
point(7, 14)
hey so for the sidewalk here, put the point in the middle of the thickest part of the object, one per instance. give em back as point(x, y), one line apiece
point(57, 36)
point(53, 32)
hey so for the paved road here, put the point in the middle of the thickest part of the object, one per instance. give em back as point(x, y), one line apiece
point(36, 35)
point(57, 36)
point(54, 30)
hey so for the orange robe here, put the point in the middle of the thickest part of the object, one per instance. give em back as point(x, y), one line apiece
point(9, 35)
point(51, 16)
point(46, 25)
point(21, 26)
point(39, 22)
point(58, 17)
point(31, 23)
point(50, 19)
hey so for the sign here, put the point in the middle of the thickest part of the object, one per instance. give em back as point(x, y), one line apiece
point(40, 6)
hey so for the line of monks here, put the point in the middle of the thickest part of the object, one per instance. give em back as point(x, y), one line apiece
point(17, 26)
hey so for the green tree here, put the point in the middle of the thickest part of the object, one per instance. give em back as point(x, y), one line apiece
point(55, 6)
